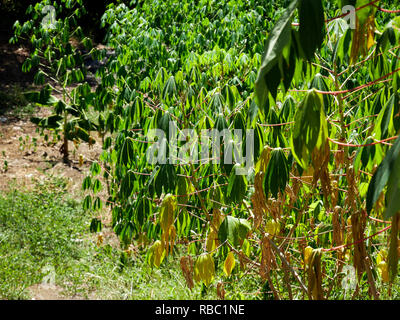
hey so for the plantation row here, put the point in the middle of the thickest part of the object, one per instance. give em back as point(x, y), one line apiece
point(316, 214)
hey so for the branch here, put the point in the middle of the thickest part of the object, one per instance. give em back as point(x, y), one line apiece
point(286, 263)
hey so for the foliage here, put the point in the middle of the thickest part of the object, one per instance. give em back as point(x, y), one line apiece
point(308, 91)
point(57, 60)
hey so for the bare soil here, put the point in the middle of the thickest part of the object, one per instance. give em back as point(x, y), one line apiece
point(29, 161)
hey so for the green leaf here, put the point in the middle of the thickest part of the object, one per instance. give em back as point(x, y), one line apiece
point(97, 204)
point(52, 122)
point(143, 210)
point(42, 97)
point(320, 84)
point(277, 173)
point(221, 123)
point(237, 186)
point(234, 230)
point(95, 169)
point(217, 102)
point(169, 91)
point(82, 134)
point(127, 185)
point(278, 39)
point(166, 178)
point(96, 225)
point(87, 183)
point(388, 120)
point(312, 26)
point(288, 109)
point(386, 169)
point(39, 78)
point(393, 191)
point(87, 203)
point(252, 113)
point(310, 129)
point(96, 186)
point(126, 154)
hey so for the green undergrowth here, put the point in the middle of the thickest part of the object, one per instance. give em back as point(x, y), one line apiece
point(45, 238)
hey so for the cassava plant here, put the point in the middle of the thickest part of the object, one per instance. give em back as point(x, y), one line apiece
point(316, 216)
point(58, 55)
point(321, 96)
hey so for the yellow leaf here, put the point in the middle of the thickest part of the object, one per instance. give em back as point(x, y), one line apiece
point(382, 256)
point(217, 218)
point(384, 271)
point(272, 227)
point(371, 32)
point(204, 269)
point(262, 163)
point(229, 264)
point(307, 254)
point(167, 211)
point(156, 254)
point(212, 241)
point(142, 240)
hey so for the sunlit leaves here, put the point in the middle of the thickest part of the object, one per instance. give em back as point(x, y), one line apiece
point(149, 78)
point(204, 269)
point(156, 254)
point(364, 35)
point(54, 58)
point(42, 97)
point(388, 122)
point(233, 230)
point(272, 227)
point(237, 186)
point(276, 174)
point(279, 38)
point(310, 129)
point(229, 264)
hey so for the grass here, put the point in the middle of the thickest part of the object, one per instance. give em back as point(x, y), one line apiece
point(45, 235)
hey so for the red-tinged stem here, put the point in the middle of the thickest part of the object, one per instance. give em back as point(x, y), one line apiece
point(336, 93)
point(386, 10)
point(359, 241)
point(361, 145)
point(372, 3)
